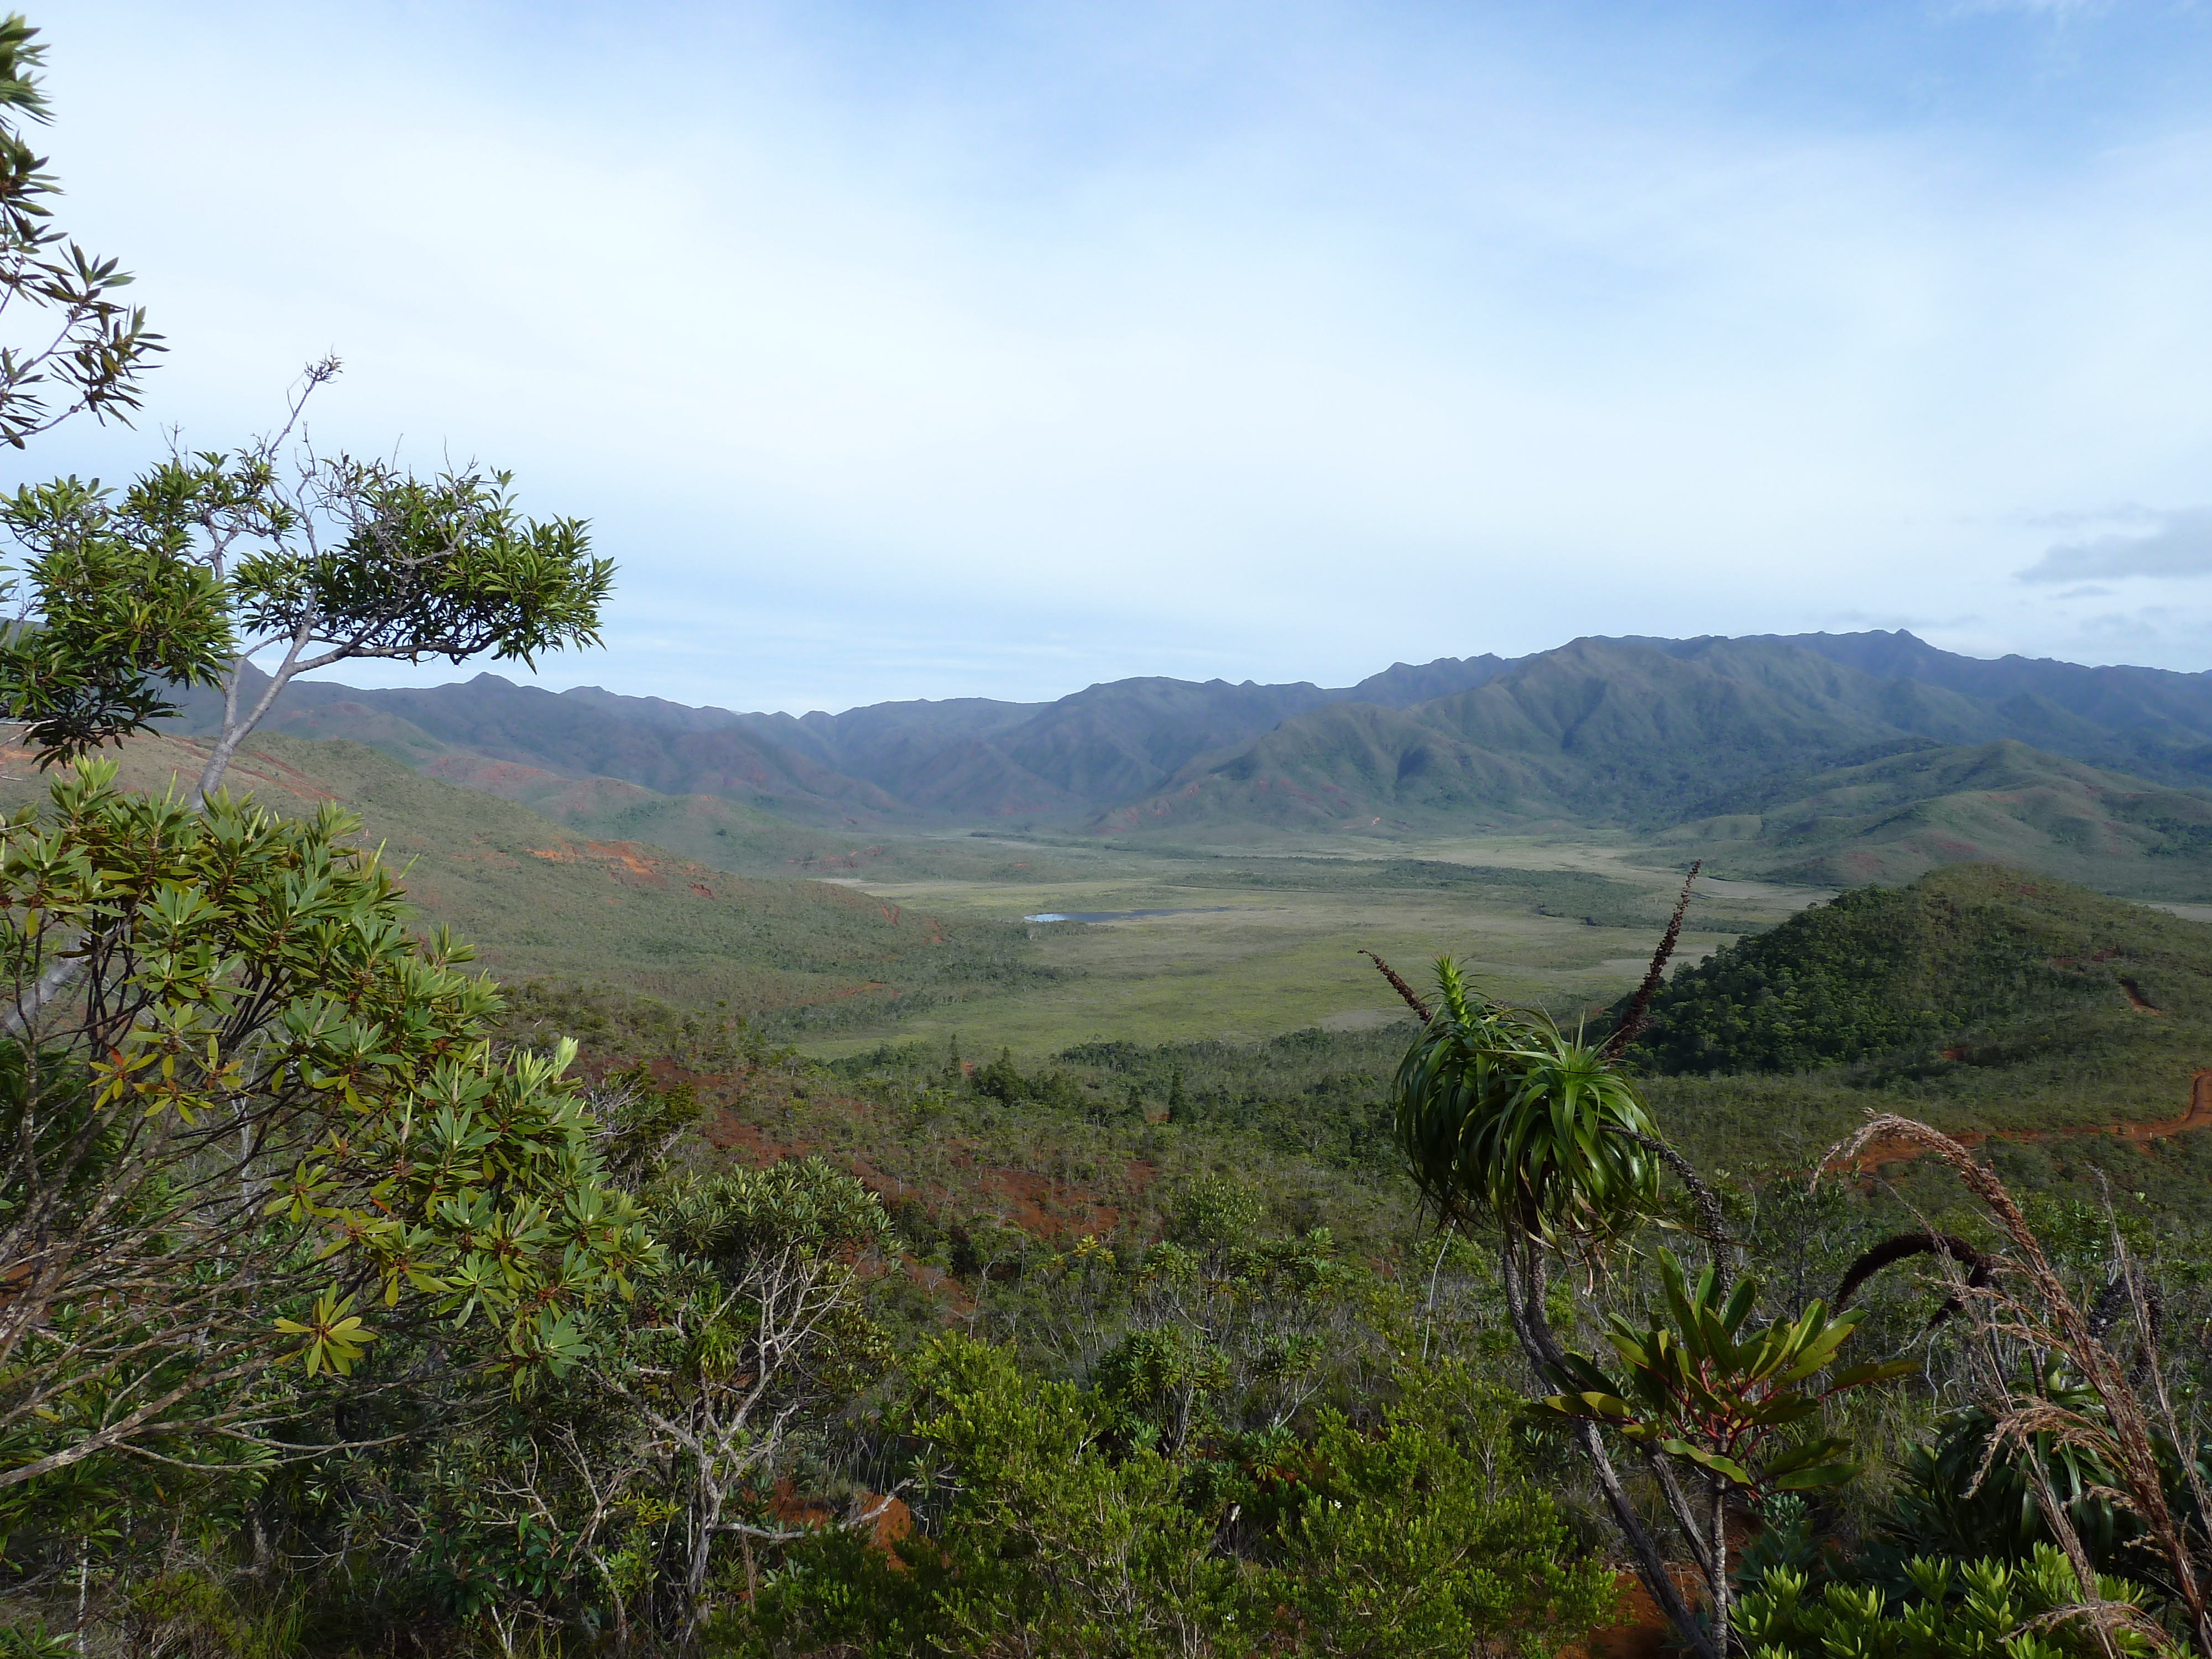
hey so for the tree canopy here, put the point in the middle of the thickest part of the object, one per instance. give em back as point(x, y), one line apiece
point(208, 561)
point(77, 348)
point(263, 1116)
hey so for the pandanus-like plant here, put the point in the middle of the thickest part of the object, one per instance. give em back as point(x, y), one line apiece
point(1508, 1122)
point(1697, 1390)
point(1504, 1117)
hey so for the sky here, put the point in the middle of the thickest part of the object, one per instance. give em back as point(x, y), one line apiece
point(901, 350)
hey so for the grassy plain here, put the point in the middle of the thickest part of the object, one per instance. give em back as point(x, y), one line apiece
point(1266, 938)
point(1252, 990)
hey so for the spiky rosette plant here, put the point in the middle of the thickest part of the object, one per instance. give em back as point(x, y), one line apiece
point(1502, 1116)
point(1508, 1123)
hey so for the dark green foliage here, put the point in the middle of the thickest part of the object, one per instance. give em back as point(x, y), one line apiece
point(1410, 1533)
point(1948, 1608)
point(209, 559)
point(277, 1105)
point(1992, 962)
point(1953, 1499)
point(1502, 1118)
point(119, 616)
point(1322, 1095)
point(1700, 1387)
point(446, 567)
point(87, 349)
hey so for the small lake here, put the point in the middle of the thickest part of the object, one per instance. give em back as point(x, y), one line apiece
point(1120, 915)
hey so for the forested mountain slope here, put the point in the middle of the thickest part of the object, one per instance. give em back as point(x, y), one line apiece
point(2069, 1030)
point(2151, 721)
point(887, 763)
point(1974, 965)
point(1820, 758)
point(577, 734)
point(1629, 730)
point(1895, 818)
point(1766, 755)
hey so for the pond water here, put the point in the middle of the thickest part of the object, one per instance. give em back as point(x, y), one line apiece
point(1120, 915)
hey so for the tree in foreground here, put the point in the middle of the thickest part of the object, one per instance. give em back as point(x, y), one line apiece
point(1514, 1129)
point(260, 1117)
point(214, 559)
point(211, 560)
point(75, 348)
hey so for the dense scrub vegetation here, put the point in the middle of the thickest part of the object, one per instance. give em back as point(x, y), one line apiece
point(1077, 1373)
point(1982, 960)
point(350, 1305)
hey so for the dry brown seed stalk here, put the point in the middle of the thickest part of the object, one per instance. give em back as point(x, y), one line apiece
point(1413, 1001)
point(2130, 1442)
point(1633, 1021)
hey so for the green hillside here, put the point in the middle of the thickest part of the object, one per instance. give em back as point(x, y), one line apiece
point(1351, 767)
point(539, 900)
point(1896, 818)
point(577, 735)
point(1978, 998)
point(725, 834)
point(1764, 759)
point(1818, 759)
point(1598, 731)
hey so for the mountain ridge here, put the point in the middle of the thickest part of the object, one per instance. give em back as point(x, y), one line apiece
point(1665, 739)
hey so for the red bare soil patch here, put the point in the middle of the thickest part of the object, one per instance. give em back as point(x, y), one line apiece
point(750, 1143)
point(1044, 1207)
point(2198, 1116)
point(624, 857)
point(1641, 1633)
point(2135, 998)
point(893, 1520)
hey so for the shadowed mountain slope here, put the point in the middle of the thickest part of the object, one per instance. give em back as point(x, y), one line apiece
point(2152, 721)
point(579, 734)
point(1599, 730)
point(1637, 729)
point(1774, 735)
point(964, 758)
point(1403, 685)
point(1894, 819)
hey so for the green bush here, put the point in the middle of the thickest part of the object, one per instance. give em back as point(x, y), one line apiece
point(1973, 1610)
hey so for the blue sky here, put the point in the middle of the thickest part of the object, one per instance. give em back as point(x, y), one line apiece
point(928, 351)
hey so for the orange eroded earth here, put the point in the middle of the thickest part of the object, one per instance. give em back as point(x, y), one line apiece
point(2198, 1116)
point(615, 854)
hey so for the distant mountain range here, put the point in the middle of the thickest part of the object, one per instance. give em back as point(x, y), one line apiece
point(1825, 758)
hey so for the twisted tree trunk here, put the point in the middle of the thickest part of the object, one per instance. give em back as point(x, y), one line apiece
point(1521, 1263)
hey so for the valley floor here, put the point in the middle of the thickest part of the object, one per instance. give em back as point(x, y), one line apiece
point(1265, 940)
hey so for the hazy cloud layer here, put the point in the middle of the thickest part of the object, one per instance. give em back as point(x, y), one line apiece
point(2177, 543)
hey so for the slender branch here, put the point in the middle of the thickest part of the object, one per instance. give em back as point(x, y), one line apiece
point(1707, 1200)
point(1524, 1305)
point(1903, 1247)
